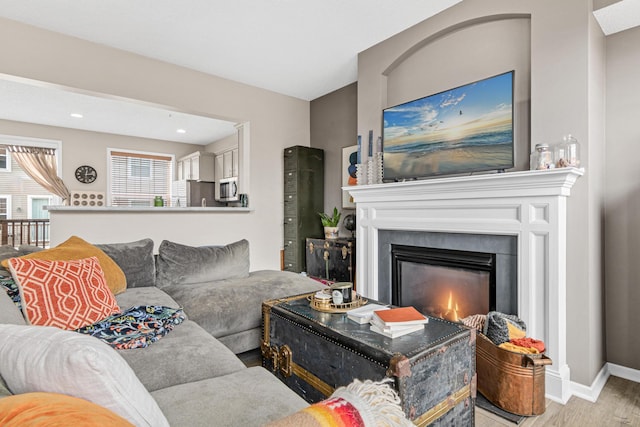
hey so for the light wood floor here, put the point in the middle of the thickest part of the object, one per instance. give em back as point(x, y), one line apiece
point(618, 405)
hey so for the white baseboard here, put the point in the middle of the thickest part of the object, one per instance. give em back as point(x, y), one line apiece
point(592, 392)
point(624, 372)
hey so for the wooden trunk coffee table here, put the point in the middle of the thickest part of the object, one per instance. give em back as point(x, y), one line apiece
point(315, 352)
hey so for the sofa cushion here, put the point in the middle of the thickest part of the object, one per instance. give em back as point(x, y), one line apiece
point(186, 265)
point(214, 305)
point(7, 251)
point(146, 295)
point(4, 390)
point(47, 359)
point(54, 409)
point(186, 354)
point(252, 397)
point(242, 341)
point(66, 294)
point(135, 259)
point(9, 312)
point(76, 248)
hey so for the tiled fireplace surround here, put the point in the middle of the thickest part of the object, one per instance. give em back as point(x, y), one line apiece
point(530, 205)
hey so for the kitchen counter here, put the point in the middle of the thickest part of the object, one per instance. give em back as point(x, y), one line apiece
point(194, 226)
point(151, 210)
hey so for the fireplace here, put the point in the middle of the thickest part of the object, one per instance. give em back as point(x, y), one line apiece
point(528, 206)
point(443, 283)
point(476, 257)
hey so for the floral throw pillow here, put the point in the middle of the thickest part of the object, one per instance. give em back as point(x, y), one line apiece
point(65, 294)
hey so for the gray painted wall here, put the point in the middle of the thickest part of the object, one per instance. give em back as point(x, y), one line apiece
point(333, 127)
point(454, 58)
point(622, 207)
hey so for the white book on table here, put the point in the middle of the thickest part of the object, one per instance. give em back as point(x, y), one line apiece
point(391, 326)
point(395, 333)
point(363, 314)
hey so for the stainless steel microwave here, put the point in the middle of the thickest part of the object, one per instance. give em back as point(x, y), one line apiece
point(227, 190)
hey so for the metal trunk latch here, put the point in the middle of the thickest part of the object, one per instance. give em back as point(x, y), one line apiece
point(280, 358)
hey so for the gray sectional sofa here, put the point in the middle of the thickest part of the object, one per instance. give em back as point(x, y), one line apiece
point(193, 373)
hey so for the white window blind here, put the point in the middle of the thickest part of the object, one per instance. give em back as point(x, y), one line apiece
point(136, 178)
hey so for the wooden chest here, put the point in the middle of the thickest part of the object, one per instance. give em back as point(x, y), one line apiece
point(315, 352)
point(331, 259)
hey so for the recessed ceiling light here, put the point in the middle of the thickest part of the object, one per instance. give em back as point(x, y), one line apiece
point(77, 115)
point(181, 131)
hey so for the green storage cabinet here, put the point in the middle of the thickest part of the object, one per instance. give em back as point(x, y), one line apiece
point(303, 199)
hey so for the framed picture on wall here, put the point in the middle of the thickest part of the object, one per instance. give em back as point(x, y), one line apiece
point(349, 161)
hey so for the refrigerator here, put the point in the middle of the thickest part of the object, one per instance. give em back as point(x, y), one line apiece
point(186, 193)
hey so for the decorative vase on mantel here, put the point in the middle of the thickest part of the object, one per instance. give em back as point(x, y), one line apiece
point(331, 232)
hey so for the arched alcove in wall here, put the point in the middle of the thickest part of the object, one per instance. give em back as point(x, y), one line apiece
point(464, 53)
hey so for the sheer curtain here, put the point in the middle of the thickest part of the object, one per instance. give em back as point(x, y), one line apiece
point(40, 164)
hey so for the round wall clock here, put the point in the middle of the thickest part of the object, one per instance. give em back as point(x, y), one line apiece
point(86, 174)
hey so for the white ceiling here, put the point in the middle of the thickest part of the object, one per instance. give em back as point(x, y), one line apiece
point(301, 48)
point(618, 16)
point(47, 105)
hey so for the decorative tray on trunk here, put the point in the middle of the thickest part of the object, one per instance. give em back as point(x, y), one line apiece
point(325, 305)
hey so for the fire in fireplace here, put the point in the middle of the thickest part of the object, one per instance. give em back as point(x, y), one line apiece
point(448, 284)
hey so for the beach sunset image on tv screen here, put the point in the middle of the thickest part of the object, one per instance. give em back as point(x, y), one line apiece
point(462, 130)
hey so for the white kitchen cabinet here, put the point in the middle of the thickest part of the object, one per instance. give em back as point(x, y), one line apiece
point(227, 164)
point(234, 163)
point(198, 166)
point(219, 162)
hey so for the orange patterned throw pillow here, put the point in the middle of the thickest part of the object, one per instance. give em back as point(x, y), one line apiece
point(64, 294)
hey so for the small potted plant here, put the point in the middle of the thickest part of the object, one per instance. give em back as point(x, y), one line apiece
point(330, 223)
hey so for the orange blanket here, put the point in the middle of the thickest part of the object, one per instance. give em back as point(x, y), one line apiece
point(529, 343)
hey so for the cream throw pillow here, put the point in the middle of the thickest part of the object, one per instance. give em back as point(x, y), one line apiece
point(48, 359)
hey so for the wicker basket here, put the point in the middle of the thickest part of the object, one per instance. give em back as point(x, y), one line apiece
point(512, 381)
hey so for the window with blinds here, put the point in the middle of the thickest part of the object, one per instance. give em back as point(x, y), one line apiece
point(4, 207)
point(137, 178)
point(5, 163)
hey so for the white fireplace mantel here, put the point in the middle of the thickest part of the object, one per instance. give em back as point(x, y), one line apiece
point(530, 205)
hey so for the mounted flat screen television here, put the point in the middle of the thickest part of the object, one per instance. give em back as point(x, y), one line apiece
point(463, 130)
